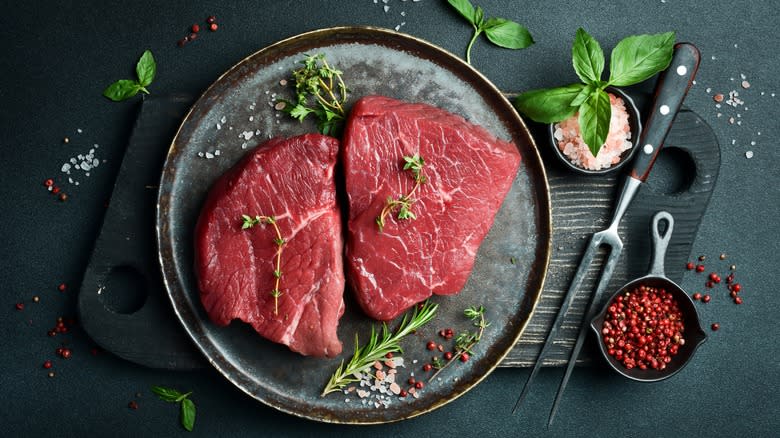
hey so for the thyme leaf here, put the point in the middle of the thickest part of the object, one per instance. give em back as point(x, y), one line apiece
point(377, 347)
point(279, 241)
point(403, 204)
point(320, 92)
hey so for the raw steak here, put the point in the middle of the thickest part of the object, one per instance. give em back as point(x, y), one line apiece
point(292, 180)
point(469, 173)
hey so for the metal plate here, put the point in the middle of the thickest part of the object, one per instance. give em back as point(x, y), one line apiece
point(374, 61)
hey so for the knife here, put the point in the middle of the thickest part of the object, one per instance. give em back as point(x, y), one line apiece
point(670, 92)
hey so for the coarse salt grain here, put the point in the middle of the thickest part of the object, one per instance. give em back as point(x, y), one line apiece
point(567, 134)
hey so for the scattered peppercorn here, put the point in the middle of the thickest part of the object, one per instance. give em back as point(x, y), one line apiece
point(419, 385)
point(464, 357)
point(213, 27)
point(697, 296)
point(36, 299)
point(699, 268)
point(195, 28)
point(182, 42)
point(736, 287)
point(51, 373)
point(47, 364)
point(63, 197)
point(689, 266)
point(49, 182)
point(738, 300)
point(448, 355)
point(702, 258)
point(193, 36)
point(427, 367)
point(723, 256)
point(403, 393)
point(133, 405)
point(430, 345)
point(211, 19)
point(706, 299)
point(733, 267)
point(62, 287)
point(66, 140)
point(389, 355)
point(19, 306)
point(718, 98)
point(715, 326)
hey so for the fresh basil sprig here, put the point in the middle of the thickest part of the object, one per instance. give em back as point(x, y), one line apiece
point(123, 89)
point(633, 60)
point(187, 406)
point(500, 31)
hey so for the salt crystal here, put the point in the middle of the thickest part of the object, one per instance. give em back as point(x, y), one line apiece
point(257, 132)
point(362, 393)
point(377, 365)
point(247, 134)
point(219, 126)
point(79, 130)
point(386, 8)
point(709, 89)
point(223, 120)
point(217, 152)
point(77, 167)
point(65, 167)
point(752, 143)
point(200, 154)
point(749, 154)
point(733, 141)
point(346, 400)
point(380, 375)
point(209, 155)
point(243, 145)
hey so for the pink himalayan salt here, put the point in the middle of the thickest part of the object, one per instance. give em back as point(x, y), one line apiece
point(567, 135)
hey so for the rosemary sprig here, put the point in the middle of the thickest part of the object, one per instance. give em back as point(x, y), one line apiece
point(250, 222)
point(403, 204)
point(377, 348)
point(323, 85)
point(465, 340)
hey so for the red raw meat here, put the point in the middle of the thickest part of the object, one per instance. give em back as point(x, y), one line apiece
point(293, 180)
point(469, 173)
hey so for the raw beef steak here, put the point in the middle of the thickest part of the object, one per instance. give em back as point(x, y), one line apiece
point(469, 172)
point(292, 180)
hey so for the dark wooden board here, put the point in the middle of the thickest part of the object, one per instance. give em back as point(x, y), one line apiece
point(681, 183)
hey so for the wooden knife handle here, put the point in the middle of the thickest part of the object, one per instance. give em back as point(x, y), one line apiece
point(672, 87)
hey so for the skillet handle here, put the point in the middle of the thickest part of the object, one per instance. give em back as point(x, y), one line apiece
point(672, 87)
point(660, 242)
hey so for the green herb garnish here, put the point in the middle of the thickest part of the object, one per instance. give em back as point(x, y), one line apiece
point(465, 340)
point(187, 406)
point(123, 89)
point(403, 204)
point(321, 92)
point(633, 60)
point(377, 348)
point(249, 222)
point(500, 31)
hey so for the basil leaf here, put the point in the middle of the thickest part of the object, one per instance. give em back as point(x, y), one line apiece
point(587, 57)
point(122, 90)
point(549, 105)
point(146, 69)
point(479, 18)
point(508, 34)
point(166, 394)
point(584, 94)
point(465, 9)
point(638, 57)
point(595, 113)
point(187, 414)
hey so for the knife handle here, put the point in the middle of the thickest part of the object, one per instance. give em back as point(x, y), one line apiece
point(672, 87)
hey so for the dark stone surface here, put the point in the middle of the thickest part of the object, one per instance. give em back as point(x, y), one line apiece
point(56, 59)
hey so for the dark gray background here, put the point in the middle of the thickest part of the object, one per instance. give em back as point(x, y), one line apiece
point(58, 56)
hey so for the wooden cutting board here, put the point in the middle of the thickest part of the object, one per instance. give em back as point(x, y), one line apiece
point(124, 307)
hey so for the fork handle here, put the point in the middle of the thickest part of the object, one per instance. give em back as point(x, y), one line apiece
point(672, 87)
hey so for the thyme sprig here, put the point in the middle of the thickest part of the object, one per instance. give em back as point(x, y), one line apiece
point(321, 92)
point(415, 165)
point(465, 340)
point(249, 222)
point(377, 348)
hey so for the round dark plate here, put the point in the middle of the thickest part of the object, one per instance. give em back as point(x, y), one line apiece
point(511, 264)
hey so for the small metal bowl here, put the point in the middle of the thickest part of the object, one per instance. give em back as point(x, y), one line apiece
point(634, 121)
point(694, 334)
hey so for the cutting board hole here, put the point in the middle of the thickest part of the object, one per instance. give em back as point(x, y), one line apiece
point(673, 172)
point(124, 291)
